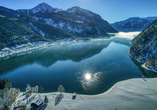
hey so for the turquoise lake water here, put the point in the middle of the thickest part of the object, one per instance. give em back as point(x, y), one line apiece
point(106, 61)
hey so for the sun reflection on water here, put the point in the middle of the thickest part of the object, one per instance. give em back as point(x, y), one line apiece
point(91, 81)
point(87, 76)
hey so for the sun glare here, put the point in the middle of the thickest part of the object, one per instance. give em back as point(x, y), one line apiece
point(88, 76)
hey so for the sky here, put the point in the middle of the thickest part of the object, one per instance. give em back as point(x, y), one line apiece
point(110, 10)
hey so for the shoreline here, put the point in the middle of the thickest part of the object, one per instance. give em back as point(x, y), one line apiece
point(143, 65)
point(121, 96)
point(23, 49)
point(30, 46)
point(131, 94)
point(8, 51)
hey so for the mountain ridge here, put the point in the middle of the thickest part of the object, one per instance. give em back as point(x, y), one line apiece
point(76, 14)
point(133, 24)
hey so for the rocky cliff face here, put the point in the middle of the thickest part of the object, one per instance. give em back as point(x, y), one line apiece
point(133, 24)
point(144, 47)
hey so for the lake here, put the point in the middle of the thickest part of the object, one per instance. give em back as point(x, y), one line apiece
point(85, 67)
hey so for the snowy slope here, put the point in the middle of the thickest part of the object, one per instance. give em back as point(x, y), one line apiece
point(88, 16)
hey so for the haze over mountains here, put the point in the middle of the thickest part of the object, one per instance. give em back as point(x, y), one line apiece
point(133, 24)
point(45, 23)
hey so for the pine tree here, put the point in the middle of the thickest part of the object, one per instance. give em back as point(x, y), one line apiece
point(45, 100)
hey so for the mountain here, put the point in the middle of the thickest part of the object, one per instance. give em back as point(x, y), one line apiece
point(144, 47)
point(45, 23)
point(133, 24)
point(17, 28)
point(88, 16)
point(75, 20)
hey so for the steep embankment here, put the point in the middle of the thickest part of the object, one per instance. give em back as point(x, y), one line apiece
point(144, 47)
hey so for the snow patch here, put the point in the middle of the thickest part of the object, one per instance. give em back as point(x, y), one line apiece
point(49, 21)
point(61, 25)
point(79, 21)
point(2, 16)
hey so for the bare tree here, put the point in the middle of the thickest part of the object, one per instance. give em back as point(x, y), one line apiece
point(28, 88)
point(60, 89)
point(9, 96)
point(36, 89)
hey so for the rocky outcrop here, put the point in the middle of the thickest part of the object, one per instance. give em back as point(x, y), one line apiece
point(144, 47)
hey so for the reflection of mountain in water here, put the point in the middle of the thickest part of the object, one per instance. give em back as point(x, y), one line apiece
point(145, 72)
point(69, 51)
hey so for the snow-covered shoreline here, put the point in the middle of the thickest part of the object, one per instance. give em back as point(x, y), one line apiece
point(132, 94)
point(22, 48)
point(7, 51)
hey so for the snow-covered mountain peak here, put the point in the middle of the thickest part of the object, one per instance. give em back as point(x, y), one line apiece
point(42, 7)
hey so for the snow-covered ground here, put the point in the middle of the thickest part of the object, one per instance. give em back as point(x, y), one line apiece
point(132, 94)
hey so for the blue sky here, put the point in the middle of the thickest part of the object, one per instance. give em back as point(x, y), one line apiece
point(110, 10)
